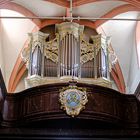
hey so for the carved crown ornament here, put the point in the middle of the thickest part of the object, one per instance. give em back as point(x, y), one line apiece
point(73, 99)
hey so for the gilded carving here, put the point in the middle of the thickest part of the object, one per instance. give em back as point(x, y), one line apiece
point(87, 49)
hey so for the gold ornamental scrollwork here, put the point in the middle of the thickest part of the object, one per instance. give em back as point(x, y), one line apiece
point(73, 99)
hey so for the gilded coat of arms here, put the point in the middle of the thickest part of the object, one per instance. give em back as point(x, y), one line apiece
point(73, 99)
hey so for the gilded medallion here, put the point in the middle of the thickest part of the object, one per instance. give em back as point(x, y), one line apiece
point(73, 100)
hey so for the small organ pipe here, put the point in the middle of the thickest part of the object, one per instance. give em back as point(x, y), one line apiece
point(95, 63)
point(59, 58)
point(30, 60)
point(69, 56)
point(107, 63)
point(42, 68)
point(79, 57)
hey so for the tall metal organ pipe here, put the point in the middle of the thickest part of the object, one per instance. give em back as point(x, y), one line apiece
point(69, 33)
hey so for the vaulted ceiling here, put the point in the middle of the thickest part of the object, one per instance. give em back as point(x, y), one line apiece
point(122, 32)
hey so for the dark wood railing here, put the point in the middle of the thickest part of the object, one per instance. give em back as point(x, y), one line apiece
point(36, 113)
point(42, 103)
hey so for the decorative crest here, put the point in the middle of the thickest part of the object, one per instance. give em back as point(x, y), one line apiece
point(73, 99)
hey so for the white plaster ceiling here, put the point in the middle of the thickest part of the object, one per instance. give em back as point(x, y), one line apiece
point(96, 9)
point(42, 8)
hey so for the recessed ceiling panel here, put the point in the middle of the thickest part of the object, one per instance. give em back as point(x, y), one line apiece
point(42, 8)
point(96, 9)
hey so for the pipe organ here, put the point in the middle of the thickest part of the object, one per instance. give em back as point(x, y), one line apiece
point(67, 57)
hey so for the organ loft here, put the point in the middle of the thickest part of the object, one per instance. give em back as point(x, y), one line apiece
point(68, 89)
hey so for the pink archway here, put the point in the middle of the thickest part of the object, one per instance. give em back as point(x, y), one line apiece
point(20, 9)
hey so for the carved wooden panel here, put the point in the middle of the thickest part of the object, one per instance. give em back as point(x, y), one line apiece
point(42, 103)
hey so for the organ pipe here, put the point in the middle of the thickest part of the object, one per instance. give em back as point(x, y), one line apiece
point(30, 59)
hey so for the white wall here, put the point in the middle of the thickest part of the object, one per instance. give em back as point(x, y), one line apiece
point(14, 34)
point(134, 74)
point(1, 50)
